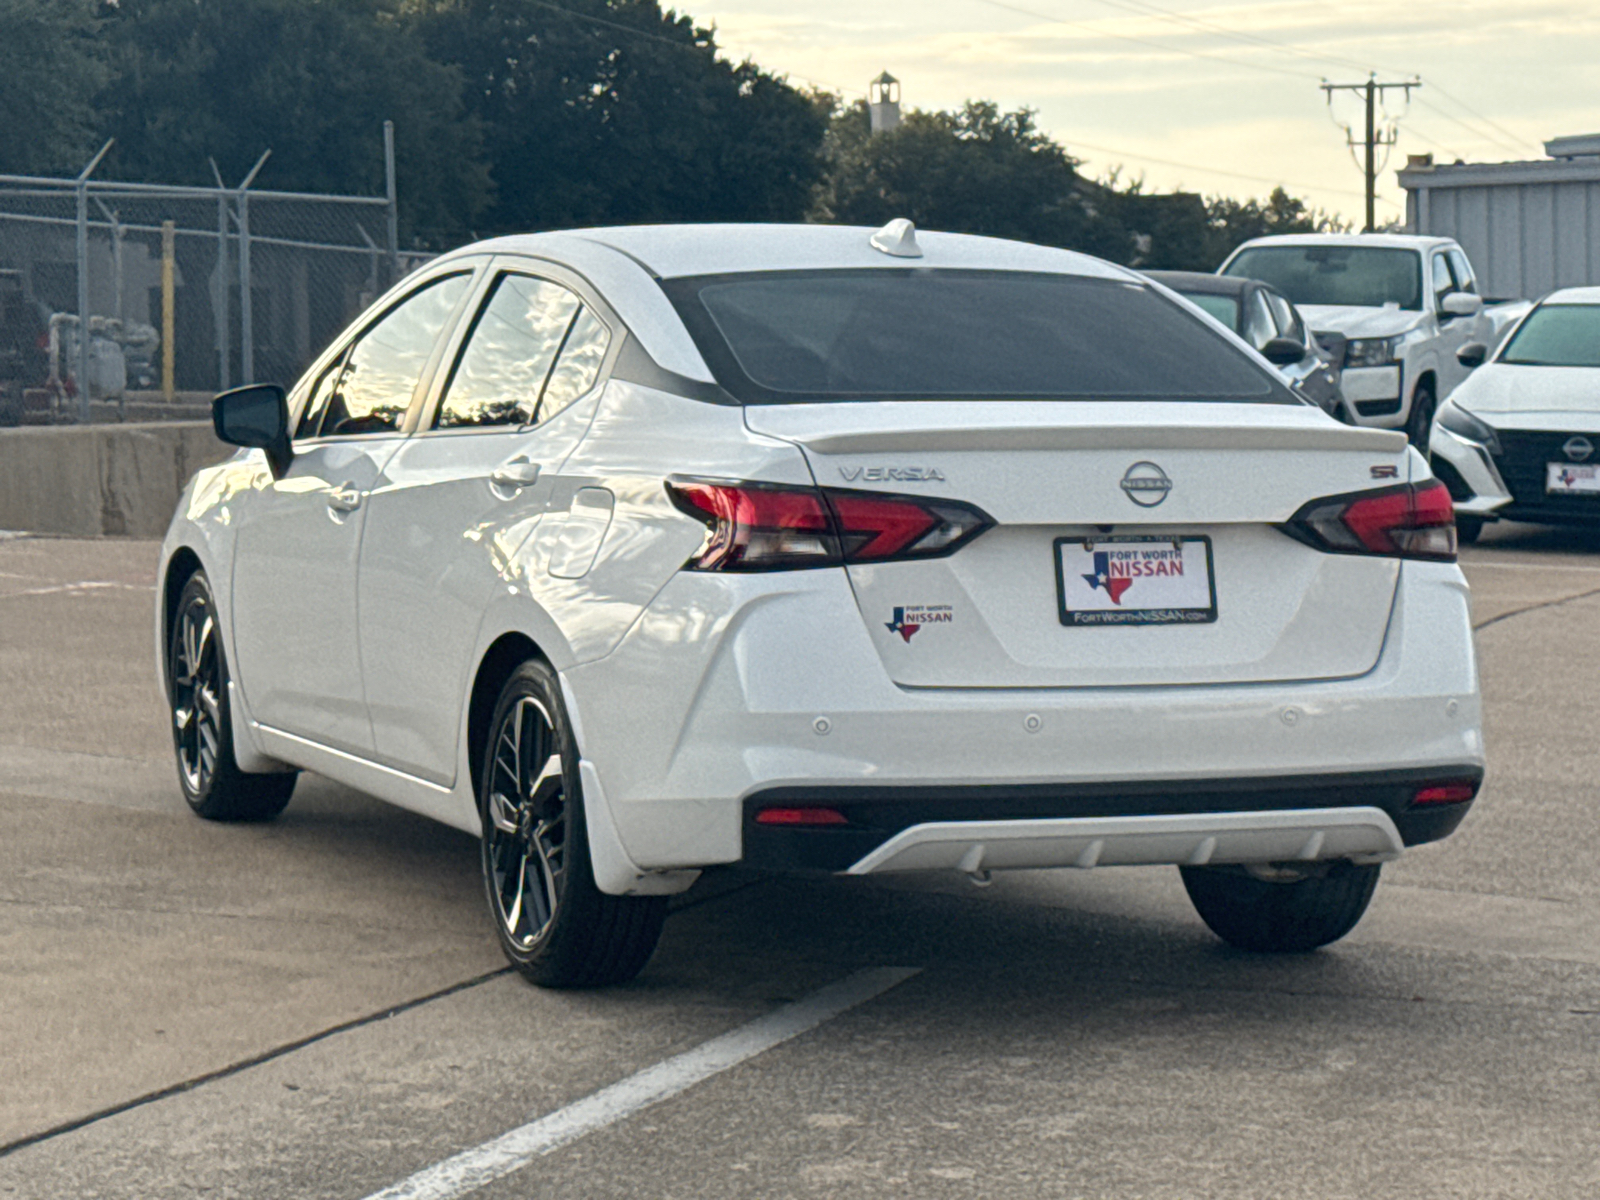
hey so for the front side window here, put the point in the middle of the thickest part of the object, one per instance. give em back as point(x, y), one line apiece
point(788, 337)
point(381, 372)
point(1556, 335)
point(1356, 276)
point(534, 348)
point(1289, 323)
point(1259, 327)
point(1443, 283)
point(1463, 272)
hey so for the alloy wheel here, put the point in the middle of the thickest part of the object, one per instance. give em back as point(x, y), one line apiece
point(196, 694)
point(525, 838)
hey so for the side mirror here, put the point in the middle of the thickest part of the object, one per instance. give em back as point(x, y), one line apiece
point(1472, 355)
point(1461, 304)
point(1282, 351)
point(256, 416)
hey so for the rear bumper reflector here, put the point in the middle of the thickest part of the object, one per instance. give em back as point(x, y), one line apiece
point(1455, 792)
point(801, 816)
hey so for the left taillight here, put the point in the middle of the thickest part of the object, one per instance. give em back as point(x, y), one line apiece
point(768, 527)
point(1409, 521)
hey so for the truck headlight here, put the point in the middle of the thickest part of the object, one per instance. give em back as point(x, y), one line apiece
point(1466, 426)
point(1372, 352)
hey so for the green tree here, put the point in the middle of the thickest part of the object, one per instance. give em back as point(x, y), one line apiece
point(1231, 222)
point(976, 170)
point(607, 111)
point(314, 80)
point(51, 66)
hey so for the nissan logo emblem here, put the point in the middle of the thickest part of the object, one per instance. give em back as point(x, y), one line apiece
point(1578, 448)
point(1146, 484)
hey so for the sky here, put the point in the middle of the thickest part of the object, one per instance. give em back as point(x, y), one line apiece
point(1219, 98)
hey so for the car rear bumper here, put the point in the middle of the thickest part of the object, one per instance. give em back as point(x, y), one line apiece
point(1371, 816)
point(730, 689)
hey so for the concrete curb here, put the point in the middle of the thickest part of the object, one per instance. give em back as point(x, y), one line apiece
point(101, 480)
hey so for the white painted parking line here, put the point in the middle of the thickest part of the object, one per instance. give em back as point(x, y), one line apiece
point(482, 1165)
point(80, 589)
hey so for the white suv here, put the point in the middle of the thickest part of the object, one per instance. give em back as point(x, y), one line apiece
point(645, 550)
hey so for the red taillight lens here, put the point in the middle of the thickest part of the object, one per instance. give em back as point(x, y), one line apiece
point(1409, 521)
point(1446, 793)
point(761, 527)
point(752, 528)
point(801, 816)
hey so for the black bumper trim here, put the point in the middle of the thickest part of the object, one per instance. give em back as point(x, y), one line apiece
point(875, 813)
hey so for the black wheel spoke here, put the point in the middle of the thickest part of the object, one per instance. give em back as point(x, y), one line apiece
point(524, 826)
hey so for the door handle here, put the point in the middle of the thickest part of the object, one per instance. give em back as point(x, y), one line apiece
point(345, 498)
point(518, 473)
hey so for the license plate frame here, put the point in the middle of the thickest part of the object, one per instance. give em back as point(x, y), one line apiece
point(1554, 485)
point(1114, 615)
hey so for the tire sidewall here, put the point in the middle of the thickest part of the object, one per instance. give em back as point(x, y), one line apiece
point(1419, 422)
point(198, 585)
point(537, 680)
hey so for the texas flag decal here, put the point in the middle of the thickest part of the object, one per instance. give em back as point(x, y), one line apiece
point(1102, 577)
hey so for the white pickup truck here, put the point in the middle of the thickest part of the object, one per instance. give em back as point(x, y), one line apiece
point(1392, 309)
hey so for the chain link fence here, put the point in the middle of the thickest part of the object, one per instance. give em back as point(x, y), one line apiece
point(183, 289)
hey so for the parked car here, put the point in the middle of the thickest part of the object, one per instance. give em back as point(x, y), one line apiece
point(1519, 437)
point(1401, 305)
point(639, 551)
point(1261, 315)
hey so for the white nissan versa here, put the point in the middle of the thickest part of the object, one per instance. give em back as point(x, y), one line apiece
point(643, 550)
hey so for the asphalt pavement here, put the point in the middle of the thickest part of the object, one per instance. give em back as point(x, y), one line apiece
point(316, 1007)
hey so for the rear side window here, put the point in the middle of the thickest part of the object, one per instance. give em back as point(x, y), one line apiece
point(930, 334)
point(533, 350)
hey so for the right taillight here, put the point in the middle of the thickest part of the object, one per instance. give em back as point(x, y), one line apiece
point(1408, 521)
point(767, 527)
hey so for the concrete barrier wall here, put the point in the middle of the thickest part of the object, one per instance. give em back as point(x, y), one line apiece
point(101, 480)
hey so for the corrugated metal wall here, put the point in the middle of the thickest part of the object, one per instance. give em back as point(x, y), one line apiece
point(1528, 228)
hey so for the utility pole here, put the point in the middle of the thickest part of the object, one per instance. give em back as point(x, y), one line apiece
point(1374, 95)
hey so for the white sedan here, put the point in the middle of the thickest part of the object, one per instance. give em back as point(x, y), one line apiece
point(640, 551)
point(1521, 437)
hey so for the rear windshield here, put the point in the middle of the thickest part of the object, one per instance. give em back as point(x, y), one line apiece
point(929, 334)
point(1358, 276)
point(1557, 335)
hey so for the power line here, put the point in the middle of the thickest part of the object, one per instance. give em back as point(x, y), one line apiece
point(695, 47)
point(1125, 37)
point(1145, 8)
point(1167, 162)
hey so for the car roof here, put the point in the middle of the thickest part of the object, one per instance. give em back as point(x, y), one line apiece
point(1203, 282)
point(674, 251)
point(1398, 241)
point(624, 262)
point(1575, 295)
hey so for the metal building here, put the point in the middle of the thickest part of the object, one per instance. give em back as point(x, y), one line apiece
point(1528, 227)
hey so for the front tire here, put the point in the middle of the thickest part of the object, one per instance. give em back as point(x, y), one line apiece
point(1419, 425)
point(202, 722)
point(1281, 917)
point(554, 924)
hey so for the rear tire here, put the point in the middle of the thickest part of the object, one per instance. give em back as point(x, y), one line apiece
point(1273, 917)
point(202, 721)
point(554, 924)
point(1468, 529)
